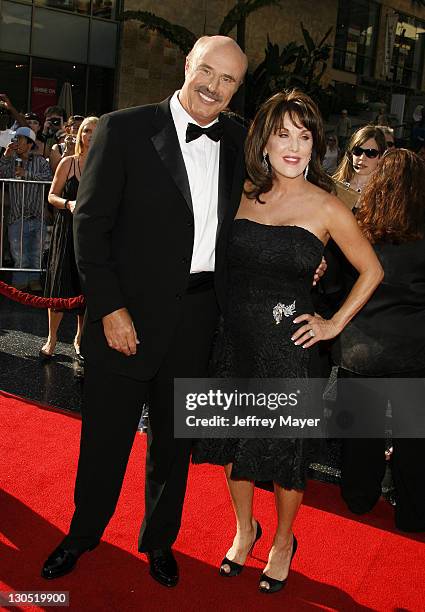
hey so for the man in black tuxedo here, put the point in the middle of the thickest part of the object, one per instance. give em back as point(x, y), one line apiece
point(160, 188)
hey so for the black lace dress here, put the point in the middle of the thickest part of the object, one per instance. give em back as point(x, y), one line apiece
point(267, 265)
point(62, 280)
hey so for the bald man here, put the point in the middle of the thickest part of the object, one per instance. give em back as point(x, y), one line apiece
point(160, 188)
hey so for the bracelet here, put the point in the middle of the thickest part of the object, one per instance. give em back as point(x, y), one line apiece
point(66, 205)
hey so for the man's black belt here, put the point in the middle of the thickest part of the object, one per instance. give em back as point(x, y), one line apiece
point(200, 281)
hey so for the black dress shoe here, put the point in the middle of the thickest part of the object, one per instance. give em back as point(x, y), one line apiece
point(163, 566)
point(62, 561)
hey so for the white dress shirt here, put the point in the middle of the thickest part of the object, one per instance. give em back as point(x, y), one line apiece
point(201, 158)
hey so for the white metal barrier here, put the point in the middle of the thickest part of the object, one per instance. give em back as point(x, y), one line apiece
point(22, 184)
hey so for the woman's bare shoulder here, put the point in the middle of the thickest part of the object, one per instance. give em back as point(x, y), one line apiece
point(64, 166)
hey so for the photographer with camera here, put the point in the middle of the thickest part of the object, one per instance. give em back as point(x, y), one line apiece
point(66, 148)
point(54, 118)
point(25, 227)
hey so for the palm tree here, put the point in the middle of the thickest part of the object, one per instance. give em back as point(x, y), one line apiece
point(184, 39)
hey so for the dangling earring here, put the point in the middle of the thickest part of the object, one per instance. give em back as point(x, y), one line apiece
point(265, 163)
point(306, 172)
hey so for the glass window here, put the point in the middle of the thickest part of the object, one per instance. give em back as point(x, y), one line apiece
point(60, 73)
point(76, 6)
point(106, 9)
point(355, 38)
point(14, 76)
point(60, 36)
point(15, 27)
point(100, 96)
point(103, 43)
point(408, 52)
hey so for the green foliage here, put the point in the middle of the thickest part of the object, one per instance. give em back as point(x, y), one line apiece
point(183, 38)
point(297, 65)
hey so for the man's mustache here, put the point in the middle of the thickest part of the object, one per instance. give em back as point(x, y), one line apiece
point(207, 92)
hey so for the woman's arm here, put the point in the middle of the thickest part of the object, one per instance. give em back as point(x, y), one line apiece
point(343, 229)
point(55, 194)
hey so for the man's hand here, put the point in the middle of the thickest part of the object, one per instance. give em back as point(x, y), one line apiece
point(11, 149)
point(46, 127)
point(320, 271)
point(20, 172)
point(8, 104)
point(69, 146)
point(119, 332)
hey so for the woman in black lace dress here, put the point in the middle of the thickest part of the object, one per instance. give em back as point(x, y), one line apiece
point(285, 218)
point(62, 275)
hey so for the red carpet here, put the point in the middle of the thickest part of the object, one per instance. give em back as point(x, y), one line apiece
point(342, 564)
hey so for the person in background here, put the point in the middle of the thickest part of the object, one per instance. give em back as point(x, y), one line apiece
point(62, 276)
point(388, 132)
point(418, 129)
point(26, 224)
point(33, 121)
point(330, 161)
point(343, 129)
point(387, 339)
point(365, 148)
point(54, 119)
point(60, 139)
point(382, 118)
point(68, 147)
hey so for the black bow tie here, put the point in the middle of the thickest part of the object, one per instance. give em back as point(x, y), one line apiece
point(214, 131)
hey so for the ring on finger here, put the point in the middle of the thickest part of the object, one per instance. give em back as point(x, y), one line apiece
point(312, 334)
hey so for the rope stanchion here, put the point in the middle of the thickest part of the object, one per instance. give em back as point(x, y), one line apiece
point(40, 302)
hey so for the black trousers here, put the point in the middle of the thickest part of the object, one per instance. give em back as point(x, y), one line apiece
point(363, 459)
point(112, 406)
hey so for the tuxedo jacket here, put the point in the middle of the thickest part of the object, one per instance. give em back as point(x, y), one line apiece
point(134, 230)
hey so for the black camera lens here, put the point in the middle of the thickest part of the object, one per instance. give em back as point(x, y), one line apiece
point(55, 121)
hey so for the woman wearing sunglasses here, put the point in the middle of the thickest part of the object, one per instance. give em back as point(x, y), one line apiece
point(366, 147)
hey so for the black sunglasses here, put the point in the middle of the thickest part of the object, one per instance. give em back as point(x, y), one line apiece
point(370, 153)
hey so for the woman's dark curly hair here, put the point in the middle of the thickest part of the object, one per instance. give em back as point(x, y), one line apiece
point(303, 112)
point(392, 206)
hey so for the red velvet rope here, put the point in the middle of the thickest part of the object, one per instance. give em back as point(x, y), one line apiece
point(40, 302)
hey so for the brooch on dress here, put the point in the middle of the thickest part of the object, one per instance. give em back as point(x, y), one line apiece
point(282, 310)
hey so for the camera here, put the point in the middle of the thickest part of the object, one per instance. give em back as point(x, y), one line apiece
point(55, 121)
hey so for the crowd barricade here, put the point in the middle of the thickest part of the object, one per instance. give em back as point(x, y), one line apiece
point(23, 185)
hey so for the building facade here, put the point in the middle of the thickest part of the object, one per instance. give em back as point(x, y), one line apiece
point(46, 43)
point(378, 48)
